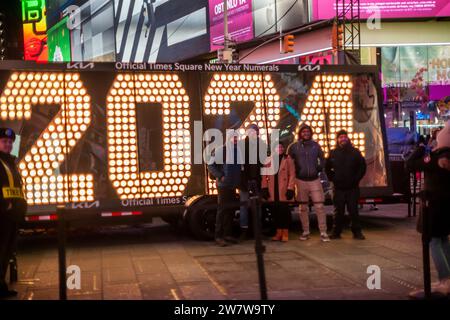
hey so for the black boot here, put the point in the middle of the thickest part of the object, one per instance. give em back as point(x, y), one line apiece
point(4, 294)
point(244, 234)
point(358, 236)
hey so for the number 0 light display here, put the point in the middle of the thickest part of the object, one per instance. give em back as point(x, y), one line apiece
point(167, 90)
point(39, 165)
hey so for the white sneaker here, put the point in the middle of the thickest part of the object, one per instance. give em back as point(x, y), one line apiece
point(304, 236)
point(324, 237)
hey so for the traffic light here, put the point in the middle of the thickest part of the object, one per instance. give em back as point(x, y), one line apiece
point(288, 43)
point(337, 36)
point(2, 36)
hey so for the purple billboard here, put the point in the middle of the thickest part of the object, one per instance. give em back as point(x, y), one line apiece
point(385, 9)
point(240, 21)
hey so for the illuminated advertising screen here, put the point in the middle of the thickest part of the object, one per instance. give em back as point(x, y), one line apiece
point(240, 22)
point(326, 9)
point(58, 41)
point(138, 135)
point(34, 30)
point(271, 16)
point(160, 30)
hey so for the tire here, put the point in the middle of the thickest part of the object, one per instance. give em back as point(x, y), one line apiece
point(201, 217)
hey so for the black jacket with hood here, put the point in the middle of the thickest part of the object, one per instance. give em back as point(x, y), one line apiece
point(436, 190)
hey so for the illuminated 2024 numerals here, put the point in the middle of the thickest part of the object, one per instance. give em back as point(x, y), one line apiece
point(330, 97)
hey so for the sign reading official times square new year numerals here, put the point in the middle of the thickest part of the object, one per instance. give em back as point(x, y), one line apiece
point(131, 131)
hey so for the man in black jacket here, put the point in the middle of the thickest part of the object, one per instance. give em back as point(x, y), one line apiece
point(13, 206)
point(255, 153)
point(345, 168)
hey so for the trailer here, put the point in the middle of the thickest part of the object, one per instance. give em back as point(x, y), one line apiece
point(123, 143)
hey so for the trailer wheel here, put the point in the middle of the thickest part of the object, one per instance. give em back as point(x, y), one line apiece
point(201, 217)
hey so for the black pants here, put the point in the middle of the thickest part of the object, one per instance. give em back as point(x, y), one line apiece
point(346, 198)
point(8, 237)
point(225, 213)
point(281, 214)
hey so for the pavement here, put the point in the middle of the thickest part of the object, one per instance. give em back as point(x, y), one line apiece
point(160, 262)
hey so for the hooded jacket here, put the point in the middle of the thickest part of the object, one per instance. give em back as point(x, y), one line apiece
point(436, 190)
point(225, 167)
point(308, 157)
point(345, 167)
point(11, 208)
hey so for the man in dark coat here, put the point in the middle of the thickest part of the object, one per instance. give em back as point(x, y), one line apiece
point(226, 167)
point(436, 165)
point(12, 206)
point(255, 154)
point(345, 167)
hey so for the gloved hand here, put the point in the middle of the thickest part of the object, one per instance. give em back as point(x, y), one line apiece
point(265, 193)
point(290, 194)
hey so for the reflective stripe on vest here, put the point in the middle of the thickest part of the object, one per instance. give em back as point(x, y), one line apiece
point(11, 191)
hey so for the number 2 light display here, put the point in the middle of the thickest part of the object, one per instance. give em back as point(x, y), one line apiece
point(38, 166)
point(227, 88)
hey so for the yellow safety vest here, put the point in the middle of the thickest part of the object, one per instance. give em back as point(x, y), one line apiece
point(11, 191)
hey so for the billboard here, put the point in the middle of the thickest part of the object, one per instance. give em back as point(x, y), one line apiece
point(326, 9)
point(34, 30)
point(240, 22)
point(272, 16)
point(160, 30)
point(58, 42)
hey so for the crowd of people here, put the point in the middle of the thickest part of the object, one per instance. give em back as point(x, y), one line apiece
point(297, 179)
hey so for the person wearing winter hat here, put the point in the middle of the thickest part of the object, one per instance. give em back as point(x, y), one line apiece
point(436, 166)
point(345, 167)
point(309, 160)
point(12, 206)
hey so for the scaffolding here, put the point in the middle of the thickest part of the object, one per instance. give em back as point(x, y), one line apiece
point(348, 27)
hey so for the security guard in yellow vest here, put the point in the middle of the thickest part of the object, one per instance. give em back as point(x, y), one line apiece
point(13, 206)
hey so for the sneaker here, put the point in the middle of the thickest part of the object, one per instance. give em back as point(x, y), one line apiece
point(221, 243)
point(324, 237)
point(304, 236)
point(335, 236)
point(359, 236)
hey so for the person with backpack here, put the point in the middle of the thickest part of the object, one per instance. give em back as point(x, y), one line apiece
point(435, 164)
